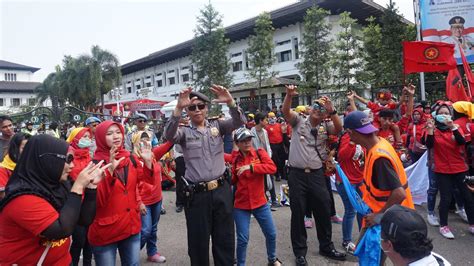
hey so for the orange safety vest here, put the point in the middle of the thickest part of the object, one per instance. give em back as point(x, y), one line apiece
point(374, 197)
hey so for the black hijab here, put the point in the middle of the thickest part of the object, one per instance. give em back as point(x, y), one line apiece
point(40, 176)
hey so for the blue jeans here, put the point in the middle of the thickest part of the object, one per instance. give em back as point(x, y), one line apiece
point(242, 223)
point(150, 227)
point(349, 212)
point(128, 248)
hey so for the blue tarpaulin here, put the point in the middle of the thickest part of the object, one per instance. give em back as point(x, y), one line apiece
point(368, 249)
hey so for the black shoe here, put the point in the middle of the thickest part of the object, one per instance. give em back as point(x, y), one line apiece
point(179, 209)
point(301, 261)
point(333, 254)
point(275, 262)
point(163, 211)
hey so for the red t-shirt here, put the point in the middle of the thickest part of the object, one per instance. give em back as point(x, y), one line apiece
point(4, 176)
point(388, 135)
point(274, 133)
point(350, 165)
point(21, 222)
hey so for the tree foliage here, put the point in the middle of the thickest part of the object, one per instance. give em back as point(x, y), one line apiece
point(372, 67)
point(209, 54)
point(345, 56)
point(316, 47)
point(260, 51)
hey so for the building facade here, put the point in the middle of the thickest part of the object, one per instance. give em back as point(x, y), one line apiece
point(17, 89)
point(161, 75)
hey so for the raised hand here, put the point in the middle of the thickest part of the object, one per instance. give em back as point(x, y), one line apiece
point(350, 95)
point(328, 104)
point(145, 151)
point(410, 89)
point(113, 161)
point(183, 98)
point(91, 175)
point(291, 90)
point(222, 94)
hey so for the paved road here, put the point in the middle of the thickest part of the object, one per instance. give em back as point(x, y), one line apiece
point(173, 243)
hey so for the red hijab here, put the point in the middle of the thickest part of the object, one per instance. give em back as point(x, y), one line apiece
point(103, 151)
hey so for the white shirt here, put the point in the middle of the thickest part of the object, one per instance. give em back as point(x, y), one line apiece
point(430, 261)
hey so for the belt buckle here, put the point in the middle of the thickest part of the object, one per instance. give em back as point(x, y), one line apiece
point(307, 170)
point(211, 185)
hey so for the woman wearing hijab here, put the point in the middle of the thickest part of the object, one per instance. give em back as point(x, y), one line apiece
point(447, 143)
point(80, 141)
point(415, 134)
point(150, 196)
point(117, 222)
point(40, 208)
point(15, 147)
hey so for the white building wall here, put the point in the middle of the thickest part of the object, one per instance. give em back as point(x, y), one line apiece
point(287, 69)
point(21, 75)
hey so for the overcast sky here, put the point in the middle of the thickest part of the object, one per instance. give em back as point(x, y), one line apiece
point(39, 33)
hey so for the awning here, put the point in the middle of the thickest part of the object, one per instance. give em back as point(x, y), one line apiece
point(140, 105)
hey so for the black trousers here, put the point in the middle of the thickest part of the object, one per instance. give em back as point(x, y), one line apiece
point(210, 215)
point(278, 157)
point(331, 196)
point(80, 243)
point(446, 185)
point(309, 188)
point(179, 172)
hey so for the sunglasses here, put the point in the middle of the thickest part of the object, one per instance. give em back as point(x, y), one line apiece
point(68, 158)
point(199, 106)
point(141, 121)
point(319, 107)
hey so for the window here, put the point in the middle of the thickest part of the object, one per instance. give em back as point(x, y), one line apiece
point(284, 56)
point(237, 54)
point(138, 87)
point(297, 55)
point(15, 102)
point(237, 66)
point(2, 103)
point(171, 71)
point(171, 81)
point(14, 77)
point(185, 67)
point(129, 89)
point(31, 101)
point(148, 84)
point(159, 83)
point(283, 42)
point(159, 75)
point(185, 77)
point(148, 77)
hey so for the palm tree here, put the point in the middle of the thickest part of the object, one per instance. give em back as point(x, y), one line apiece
point(106, 66)
point(50, 88)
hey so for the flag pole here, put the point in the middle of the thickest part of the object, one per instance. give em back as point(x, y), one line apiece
point(416, 9)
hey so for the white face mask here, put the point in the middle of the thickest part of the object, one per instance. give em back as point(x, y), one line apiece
point(385, 251)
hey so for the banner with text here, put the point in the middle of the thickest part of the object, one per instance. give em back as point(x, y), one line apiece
point(450, 21)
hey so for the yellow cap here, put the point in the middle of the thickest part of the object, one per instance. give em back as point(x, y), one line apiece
point(251, 115)
point(271, 114)
point(300, 109)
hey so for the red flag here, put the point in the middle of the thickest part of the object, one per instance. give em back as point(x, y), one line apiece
point(467, 71)
point(427, 57)
point(455, 90)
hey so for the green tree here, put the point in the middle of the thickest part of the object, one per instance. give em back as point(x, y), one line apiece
point(372, 67)
point(209, 54)
point(345, 56)
point(316, 46)
point(260, 52)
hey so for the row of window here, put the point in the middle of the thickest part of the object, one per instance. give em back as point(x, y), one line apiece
point(17, 101)
point(10, 76)
point(159, 83)
point(281, 57)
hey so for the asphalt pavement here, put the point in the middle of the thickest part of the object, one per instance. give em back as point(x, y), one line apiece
point(172, 239)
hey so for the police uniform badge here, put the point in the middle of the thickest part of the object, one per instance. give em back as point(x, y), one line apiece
point(214, 132)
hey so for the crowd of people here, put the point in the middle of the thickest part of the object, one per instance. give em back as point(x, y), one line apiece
point(96, 188)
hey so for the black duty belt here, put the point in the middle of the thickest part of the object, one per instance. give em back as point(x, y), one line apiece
point(210, 185)
point(304, 170)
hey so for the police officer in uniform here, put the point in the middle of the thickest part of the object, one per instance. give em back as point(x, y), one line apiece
point(306, 178)
point(209, 205)
point(458, 39)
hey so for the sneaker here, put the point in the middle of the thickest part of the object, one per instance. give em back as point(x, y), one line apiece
point(433, 220)
point(276, 204)
point(336, 219)
point(157, 258)
point(163, 211)
point(301, 261)
point(179, 208)
point(274, 262)
point(308, 223)
point(349, 247)
point(471, 229)
point(446, 232)
point(462, 214)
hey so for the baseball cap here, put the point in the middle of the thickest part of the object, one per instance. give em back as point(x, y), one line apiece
point(300, 109)
point(241, 134)
point(271, 114)
point(91, 120)
point(400, 223)
point(359, 122)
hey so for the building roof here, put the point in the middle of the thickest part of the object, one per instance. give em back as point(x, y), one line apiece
point(288, 15)
point(18, 86)
point(14, 66)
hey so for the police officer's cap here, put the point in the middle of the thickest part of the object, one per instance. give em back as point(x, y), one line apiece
point(457, 21)
point(200, 96)
point(241, 134)
point(141, 116)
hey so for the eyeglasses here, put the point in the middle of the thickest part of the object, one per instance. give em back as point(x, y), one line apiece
point(68, 158)
point(199, 106)
point(141, 121)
